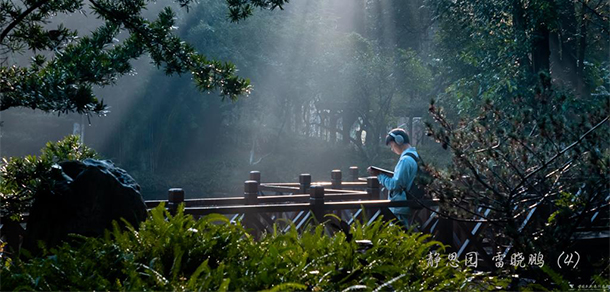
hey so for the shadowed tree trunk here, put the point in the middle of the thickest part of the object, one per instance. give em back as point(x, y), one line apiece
point(564, 46)
point(540, 49)
point(519, 32)
point(348, 121)
point(581, 53)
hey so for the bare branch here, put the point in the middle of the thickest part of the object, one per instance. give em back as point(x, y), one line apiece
point(560, 153)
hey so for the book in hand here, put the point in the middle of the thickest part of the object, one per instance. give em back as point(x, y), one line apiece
point(384, 171)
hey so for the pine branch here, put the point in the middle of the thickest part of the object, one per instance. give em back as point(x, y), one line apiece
point(20, 18)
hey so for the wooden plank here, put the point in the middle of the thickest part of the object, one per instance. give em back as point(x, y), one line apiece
point(374, 217)
point(346, 215)
point(355, 216)
point(303, 221)
point(428, 225)
point(279, 188)
point(254, 221)
point(215, 201)
point(306, 197)
point(247, 209)
point(280, 184)
point(457, 241)
point(296, 219)
point(302, 198)
point(298, 216)
point(268, 222)
point(433, 228)
point(236, 218)
point(295, 207)
point(375, 204)
point(336, 191)
point(201, 202)
point(430, 218)
point(233, 201)
point(344, 184)
point(471, 238)
point(297, 190)
point(228, 201)
point(471, 234)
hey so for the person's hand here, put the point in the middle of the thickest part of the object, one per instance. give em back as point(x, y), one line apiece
point(372, 171)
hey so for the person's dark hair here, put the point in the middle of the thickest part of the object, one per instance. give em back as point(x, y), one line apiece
point(397, 131)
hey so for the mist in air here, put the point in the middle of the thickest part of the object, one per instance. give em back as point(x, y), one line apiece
point(493, 116)
point(326, 88)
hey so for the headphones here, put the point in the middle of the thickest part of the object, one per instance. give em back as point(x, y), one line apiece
point(397, 138)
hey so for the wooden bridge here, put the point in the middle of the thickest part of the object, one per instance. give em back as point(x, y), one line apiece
point(361, 198)
point(264, 205)
point(357, 198)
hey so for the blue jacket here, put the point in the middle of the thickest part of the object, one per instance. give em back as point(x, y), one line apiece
point(404, 174)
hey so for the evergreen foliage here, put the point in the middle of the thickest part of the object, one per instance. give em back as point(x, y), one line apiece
point(521, 90)
point(524, 113)
point(496, 49)
point(178, 253)
point(21, 178)
point(64, 83)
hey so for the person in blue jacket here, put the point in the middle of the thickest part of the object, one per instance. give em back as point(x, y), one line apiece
point(404, 172)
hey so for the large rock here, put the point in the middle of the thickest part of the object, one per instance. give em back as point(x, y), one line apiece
point(86, 197)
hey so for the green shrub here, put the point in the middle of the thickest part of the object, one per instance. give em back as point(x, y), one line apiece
point(180, 253)
point(22, 178)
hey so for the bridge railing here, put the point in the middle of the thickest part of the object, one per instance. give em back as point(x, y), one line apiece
point(262, 212)
point(360, 198)
point(264, 205)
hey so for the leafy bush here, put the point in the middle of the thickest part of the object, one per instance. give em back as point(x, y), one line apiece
point(180, 253)
point(22, 178)
point(544, 154)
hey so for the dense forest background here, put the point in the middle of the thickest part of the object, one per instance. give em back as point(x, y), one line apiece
point(330, 78)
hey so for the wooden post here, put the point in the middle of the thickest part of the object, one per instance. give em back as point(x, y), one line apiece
point(255, 175)
point(305, 182)
point(353, 171)
point(175, 197)
point(251, 195)
point(445, 233)
point(335, 179)
point(372, 188)
point(251, 192)
point(316, 200)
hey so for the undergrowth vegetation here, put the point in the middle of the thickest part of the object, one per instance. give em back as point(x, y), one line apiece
point(178, 253)
point(21, 178)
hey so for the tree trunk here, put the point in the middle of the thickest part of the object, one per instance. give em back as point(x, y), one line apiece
point(333, 128)
point(580, 77)
point(540, 49)
point(564, 47)
point(348, 121)
point(306, 118)
point(296, 115)
point(519, 32)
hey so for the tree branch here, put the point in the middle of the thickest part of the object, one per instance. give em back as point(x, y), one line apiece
point(20, 18)
point(447, 216)
point(560, 153)
point(604, 18)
